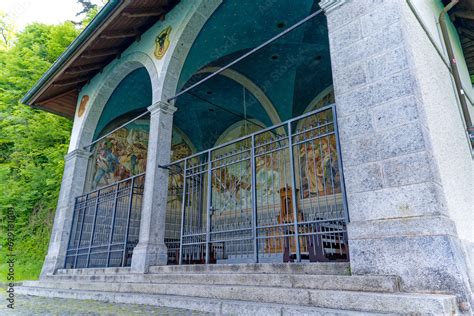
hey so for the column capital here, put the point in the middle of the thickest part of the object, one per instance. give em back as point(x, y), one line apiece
point(329, 5)
point(162, 107)
point(78, 153)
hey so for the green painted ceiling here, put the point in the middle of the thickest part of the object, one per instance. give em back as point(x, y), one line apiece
point(133, 94)
point(290, 71)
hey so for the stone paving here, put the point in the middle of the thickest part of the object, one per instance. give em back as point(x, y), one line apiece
point(32, 305)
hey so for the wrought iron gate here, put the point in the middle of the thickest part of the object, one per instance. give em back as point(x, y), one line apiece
point(106, 225)
point(274, 196)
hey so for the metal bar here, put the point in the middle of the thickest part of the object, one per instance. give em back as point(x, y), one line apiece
point(291, 28)
point(268, 129)
point(183, 208)
point(93, 228)
point(270, 151)
point(209, 205)
point(230, 230)
point(114, 184)
point(72, 227)
point(127, 226)
point(82, 227)
point(253, 171)
point(112, 224)
point(194, 234)
point(340, 165)
point(293, 192)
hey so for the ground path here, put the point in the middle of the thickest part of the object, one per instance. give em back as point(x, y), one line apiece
point(31, 305)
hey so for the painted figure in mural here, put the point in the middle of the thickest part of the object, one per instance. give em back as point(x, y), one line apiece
point(106, 163)
point(320, 172)
point(122, 154)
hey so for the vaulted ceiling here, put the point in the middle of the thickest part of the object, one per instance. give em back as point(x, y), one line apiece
point(291, 71)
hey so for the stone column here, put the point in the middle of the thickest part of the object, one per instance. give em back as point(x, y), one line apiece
point(75, 169)
point(400, 221)
point(151, 249)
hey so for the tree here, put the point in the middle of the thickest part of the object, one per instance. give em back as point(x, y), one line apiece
point(6, 31)
point(87, 6)
point(32, 144)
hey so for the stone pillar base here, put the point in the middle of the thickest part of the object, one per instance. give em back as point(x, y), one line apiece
point(423, 252)
point(147, 255)
point(50, 266)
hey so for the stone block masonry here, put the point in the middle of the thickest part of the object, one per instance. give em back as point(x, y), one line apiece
point(400, 219)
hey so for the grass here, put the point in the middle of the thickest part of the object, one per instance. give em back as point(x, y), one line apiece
point(23, 271)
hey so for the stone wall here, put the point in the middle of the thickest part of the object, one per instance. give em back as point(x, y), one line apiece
point(401, 134)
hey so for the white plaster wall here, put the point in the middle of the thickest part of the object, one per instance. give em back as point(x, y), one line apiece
point(429, 11)
point(451, 148)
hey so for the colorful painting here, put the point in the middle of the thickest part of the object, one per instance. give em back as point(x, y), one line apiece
point(162, 42)
point(318, 156)
point(83, 105)
point(121, 155)
point(180, 147)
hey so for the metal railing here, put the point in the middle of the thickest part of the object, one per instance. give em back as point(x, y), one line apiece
point(273, 196)
point(105, 225)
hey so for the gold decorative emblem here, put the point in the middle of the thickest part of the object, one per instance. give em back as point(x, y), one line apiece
point(83, 105)
point(162, 42)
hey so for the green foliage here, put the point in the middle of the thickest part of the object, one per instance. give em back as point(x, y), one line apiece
point(32, 145)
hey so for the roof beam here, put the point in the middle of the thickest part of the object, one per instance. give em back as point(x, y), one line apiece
point(144, 12)
point(93, 53)
point(58, 96)
point(84, 68)
point(467, 32)
point(464, 14)
point(119, 34)
point(71, 81)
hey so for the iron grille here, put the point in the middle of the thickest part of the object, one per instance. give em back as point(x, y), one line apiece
point(106, 225)
point(273, 196)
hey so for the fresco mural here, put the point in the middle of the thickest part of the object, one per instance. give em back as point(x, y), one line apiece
point(162, 43)
point(124, 153)
point(83, 105)
point(121, 155)
point(318, 157)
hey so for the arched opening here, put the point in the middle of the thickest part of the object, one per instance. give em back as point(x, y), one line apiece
point(258, 190)
point(274, 84)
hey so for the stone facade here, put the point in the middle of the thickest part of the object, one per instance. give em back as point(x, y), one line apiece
point(74, 177)
point(151, 249)
point(397, 189)
point(407, 161)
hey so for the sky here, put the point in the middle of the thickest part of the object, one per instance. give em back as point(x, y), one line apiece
point(23, 12)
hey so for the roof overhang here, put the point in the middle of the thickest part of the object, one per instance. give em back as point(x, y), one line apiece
point(462, 15)
point(114, 29)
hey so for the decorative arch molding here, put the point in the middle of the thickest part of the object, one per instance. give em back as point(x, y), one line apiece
point(222, 138)
point(106, 86)
point(311, 106)
point(185, 138)
point(174, 60)
point(252, 88)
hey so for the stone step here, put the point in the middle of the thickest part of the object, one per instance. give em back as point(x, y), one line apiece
point(332, 268)
point(308, 281)
point(346, 300)
point(94, 271)
point(214, 306)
